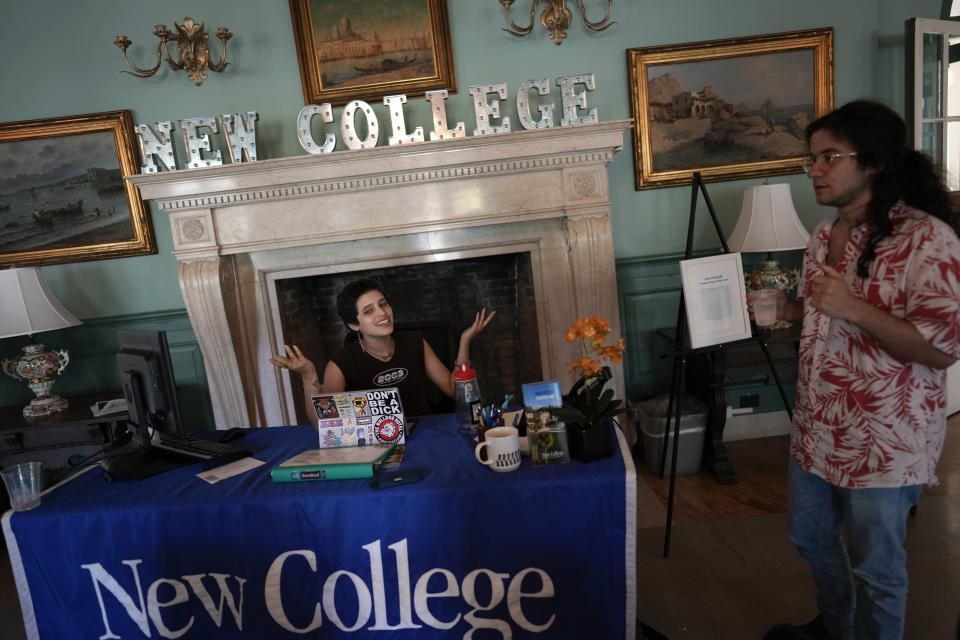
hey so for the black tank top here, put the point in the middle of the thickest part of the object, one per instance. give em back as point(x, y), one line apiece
point(405, 370)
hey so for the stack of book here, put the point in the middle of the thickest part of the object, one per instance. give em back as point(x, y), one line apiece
point(337, 463)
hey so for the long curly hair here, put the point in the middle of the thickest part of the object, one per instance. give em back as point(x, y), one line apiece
point(879, 136)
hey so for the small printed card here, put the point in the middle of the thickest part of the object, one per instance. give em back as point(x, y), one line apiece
point(223, 472)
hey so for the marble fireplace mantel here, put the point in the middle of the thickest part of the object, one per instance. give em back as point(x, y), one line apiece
point(237, 229)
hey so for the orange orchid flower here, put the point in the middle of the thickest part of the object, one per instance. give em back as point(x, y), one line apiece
point(592, 331)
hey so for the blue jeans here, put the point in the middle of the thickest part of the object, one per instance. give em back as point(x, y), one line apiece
point(861, 582)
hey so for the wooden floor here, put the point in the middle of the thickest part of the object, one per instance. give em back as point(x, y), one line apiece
point(733, 574)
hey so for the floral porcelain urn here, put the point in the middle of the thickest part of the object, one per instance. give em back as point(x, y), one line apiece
point(772, 276)
point(37, 367)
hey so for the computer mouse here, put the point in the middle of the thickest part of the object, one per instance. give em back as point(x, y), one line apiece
point(231, 434)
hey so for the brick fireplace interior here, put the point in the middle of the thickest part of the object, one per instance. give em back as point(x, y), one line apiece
point(439, 299)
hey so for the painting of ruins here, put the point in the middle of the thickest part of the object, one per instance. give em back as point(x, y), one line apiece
point(730, 109)
point(62, 193)
point(367, 49)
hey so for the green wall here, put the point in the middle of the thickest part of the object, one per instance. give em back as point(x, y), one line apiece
point(60, 60)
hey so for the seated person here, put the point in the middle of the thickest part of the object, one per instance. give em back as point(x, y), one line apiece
point(377, 357)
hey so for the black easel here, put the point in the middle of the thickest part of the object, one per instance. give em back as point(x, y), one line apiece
point(682, 350)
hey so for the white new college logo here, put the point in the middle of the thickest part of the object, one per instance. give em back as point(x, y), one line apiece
point(170, 599)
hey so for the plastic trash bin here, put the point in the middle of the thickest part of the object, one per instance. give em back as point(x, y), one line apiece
point(652, 417)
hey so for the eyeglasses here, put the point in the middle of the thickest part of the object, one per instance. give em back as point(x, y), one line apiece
point(809, 162)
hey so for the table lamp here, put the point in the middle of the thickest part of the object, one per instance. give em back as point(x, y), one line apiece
point(768, 222)
point(27, 307)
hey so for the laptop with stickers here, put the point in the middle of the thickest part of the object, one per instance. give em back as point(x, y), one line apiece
point(358, 418)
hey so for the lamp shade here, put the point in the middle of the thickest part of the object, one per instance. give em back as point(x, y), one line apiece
point(27, 306)
point(768, 221)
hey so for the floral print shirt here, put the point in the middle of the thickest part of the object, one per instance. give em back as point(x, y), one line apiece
point(864, 417)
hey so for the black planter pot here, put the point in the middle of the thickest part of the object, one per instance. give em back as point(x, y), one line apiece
point(587, 445)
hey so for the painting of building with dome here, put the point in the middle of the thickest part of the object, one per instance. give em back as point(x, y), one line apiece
point(373, 45)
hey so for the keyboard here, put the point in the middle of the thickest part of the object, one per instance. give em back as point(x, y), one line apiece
point(200, 449)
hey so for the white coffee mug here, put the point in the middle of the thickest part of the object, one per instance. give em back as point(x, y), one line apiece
point(503, 448)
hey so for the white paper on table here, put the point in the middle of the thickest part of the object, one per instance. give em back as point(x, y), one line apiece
point(715, 299)
point(243, 465)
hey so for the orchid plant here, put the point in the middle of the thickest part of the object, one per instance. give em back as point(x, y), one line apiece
point(587, 404)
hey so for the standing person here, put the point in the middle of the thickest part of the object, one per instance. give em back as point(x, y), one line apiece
point(378, 357)
point(881, 321)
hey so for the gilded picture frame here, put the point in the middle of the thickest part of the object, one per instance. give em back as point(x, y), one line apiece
point(367, 49)
point(730, 109)
point(62, 193)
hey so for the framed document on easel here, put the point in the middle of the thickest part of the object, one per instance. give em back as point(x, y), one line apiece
point(712, 312)
point(715, 299)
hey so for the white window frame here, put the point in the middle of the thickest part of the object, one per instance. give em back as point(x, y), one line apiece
point(916, 29)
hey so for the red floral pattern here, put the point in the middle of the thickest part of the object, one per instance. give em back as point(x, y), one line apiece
point(865, 418)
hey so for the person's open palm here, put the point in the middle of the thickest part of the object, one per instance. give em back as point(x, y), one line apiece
point(479, 324)
point(294, 361)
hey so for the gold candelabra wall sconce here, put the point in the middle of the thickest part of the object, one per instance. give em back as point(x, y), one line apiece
point(556, 18)
point(193, 55)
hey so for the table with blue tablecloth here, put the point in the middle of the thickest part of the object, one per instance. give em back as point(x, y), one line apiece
point(541, 552)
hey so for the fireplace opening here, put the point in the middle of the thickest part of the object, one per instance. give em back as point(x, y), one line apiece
point(439, 299)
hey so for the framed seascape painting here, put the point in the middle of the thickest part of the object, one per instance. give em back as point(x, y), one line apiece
point(367, 49)
point(730, 109)
point(62, 193)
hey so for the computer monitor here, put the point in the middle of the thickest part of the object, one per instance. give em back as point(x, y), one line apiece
point(146, 374)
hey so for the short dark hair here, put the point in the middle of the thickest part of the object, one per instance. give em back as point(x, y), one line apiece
point(351, 292)
point(879, 136)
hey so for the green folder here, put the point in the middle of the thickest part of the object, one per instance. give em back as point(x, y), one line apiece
point(334, 463)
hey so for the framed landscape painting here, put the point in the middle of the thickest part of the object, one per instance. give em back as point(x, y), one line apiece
point(367, 49)
point(730, 109)
point(62, 193)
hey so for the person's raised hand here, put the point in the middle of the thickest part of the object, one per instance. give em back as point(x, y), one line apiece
point(295, 361)
point(830, 294)
point(480, 322)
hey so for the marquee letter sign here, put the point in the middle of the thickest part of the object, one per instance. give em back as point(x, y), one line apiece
point(156, 145)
